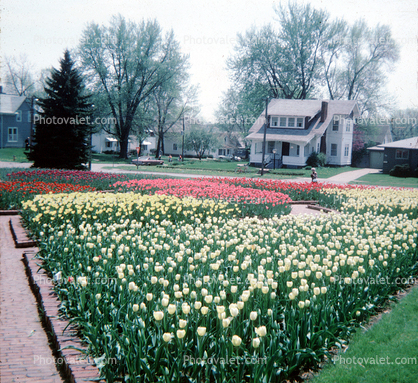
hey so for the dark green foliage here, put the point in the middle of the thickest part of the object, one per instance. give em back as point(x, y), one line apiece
point(312, 159)
point(322, 159)
point(357, 156)
point(401, 171)
point(316, 159)
point(63, 127)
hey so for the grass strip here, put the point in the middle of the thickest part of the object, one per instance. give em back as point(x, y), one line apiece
point(386, 180)
point(385, 353)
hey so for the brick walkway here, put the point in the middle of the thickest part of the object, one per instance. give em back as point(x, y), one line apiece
point(25, 355)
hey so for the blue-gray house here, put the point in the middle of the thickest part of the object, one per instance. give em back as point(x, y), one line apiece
point(15, 120)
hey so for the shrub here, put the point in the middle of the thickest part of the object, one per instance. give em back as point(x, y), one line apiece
point(322, 159)
point(401, 171)
point(316, 160)
point(312, 160)
point(357, 156)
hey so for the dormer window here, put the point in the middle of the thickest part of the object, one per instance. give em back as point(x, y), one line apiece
point(287, 122)
point(283, 121)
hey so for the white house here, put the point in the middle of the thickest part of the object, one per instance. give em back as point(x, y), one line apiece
point(105, 142)
point(297, 128)
point(230, 143)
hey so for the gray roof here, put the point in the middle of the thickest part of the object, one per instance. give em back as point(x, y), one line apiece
point(302, 108)
point(376, 148)
point(9, 103)
point(409, 143)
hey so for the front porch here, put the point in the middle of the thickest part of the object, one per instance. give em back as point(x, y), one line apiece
point(279, 154)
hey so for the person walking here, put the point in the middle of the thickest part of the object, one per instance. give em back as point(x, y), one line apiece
point(314, 175)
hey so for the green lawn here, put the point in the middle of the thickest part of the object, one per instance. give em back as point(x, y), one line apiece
point(214, 167)
point(7, 154)
point(209, 167)
point(386, 180)
point(386, 353)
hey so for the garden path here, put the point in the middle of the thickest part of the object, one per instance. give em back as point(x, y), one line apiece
point(25, 355)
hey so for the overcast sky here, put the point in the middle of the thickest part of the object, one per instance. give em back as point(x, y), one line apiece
point(206, 30)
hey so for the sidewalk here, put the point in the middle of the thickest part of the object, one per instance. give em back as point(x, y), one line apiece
point(4, 164)
point(342, 178)
point(25, 355)
point(347, 177)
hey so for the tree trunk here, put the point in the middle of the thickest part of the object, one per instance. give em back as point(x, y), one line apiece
point(123, 148)
point(157, 153)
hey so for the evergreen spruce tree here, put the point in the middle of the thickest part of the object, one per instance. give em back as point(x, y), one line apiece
point(61, 139)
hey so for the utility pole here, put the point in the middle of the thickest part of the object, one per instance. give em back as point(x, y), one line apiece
point(264, 138)
point(182, 145)
point(91, 143)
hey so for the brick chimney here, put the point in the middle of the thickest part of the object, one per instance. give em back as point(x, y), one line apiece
point(324, 111)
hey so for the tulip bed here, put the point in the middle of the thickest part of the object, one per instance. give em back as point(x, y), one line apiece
point(250, 201)
point(181, 288)
point(296, 190)
point(58, 176)
point(13, 192)
point(24, 185)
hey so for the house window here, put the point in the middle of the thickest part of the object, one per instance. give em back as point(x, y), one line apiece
point(306, 151)
point(109, 144)
point(346, 150)
point(297, 150)
point(333, 150)
point(221, 152)
point(335, 125)
point(317, 147)
point(348, 125)
point(258, 147)
point(287, 122)
point(271, 145)
point(12, 136)
point(19, 116)
point(174, 146)
point(402, 154)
